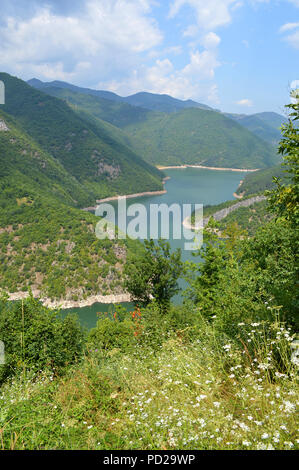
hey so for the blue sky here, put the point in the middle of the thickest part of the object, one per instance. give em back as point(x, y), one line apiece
point(235, 55)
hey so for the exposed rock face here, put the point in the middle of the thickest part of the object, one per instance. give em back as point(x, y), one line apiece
point(110, 170)
point(3, 126)
point(224, 212)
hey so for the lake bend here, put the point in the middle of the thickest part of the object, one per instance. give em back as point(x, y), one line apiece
point(184, 186)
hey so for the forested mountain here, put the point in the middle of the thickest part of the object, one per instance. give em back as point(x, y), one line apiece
point(46, 244)
point(163, 103)
point(189, 136)
point(264, 125)
point(197, 136)
point(91, 155)
point(115, 112)
point(261, 180)
point(34, 82)
point(53, 161)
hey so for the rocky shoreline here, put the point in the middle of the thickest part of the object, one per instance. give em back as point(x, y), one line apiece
point(65, 304)
point(181, 167)
point(128, 196)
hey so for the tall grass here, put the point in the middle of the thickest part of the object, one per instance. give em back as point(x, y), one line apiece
point(204, 393)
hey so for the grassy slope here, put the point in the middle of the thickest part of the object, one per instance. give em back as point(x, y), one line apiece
point(204, 394)
point(91, 155)
point(260, 180)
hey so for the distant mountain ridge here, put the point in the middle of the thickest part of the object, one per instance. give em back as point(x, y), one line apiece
point(94, 156)
point(265, 125)
point(187, 136)
point(152, 101)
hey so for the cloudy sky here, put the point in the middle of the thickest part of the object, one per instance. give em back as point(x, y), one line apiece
point(236, 55)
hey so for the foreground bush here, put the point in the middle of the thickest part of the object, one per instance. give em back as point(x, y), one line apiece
point(36, 338)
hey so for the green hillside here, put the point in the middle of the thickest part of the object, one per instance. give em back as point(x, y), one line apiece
point(191, 136)
point(91, 155)
point(163, 103)
point(117, 113)
point(46, 244)
point(254, 216)
point(261, 180)
point(264, 125)
point(274, 120)
point(196, 136)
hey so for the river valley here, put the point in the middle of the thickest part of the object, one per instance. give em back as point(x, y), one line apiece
point(184, 186)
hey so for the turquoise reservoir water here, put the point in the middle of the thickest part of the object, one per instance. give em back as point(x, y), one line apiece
point(189, 185)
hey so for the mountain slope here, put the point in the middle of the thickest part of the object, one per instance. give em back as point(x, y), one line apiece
point(32, 170)
point(191, 136)
point(196, 136)
point(45, 244)
point(261, 180)
point(163, 103)
point(117, 113)
point(188, 136)
point(103, 165)
point(264, 125)
point(34, 82)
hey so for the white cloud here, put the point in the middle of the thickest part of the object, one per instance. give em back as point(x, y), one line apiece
point(293, 38)
point(288, 27)
point(209, 14)
point(202, 65)
point(245, 102)
point(172, 50)
point(211, 40)
point(106, 38)
point(192, 81)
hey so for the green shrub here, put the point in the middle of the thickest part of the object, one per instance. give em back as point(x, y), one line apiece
point(109, 334)
point(36, 338)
